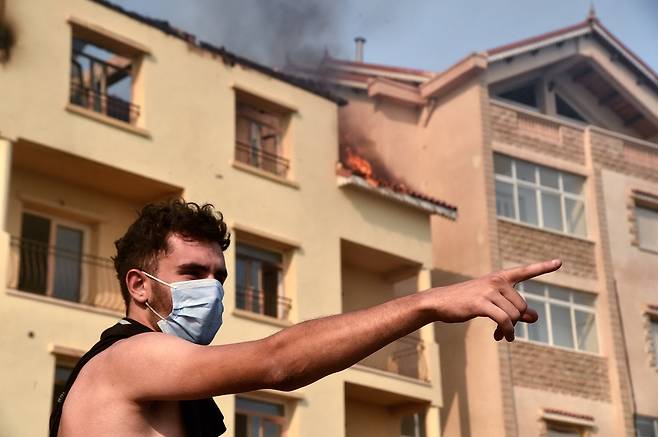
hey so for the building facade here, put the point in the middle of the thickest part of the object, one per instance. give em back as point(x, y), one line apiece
point(550, 148)
point(103, 111)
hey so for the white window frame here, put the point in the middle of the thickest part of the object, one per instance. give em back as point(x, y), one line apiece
point(645, 202)
point(538, 188)
point(282, 420)
point(571, 305)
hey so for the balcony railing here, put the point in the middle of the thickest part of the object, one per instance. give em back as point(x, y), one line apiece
point(46, 270)
point(112, 106)
point(261, 302)
point(405, 357)
point(262, 159)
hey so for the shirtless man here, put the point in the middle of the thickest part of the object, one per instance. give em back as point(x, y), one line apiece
point(134, 387)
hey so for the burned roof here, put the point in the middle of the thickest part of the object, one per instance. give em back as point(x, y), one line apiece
point(313, 86)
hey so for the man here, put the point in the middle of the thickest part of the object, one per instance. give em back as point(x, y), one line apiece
point(152, 375)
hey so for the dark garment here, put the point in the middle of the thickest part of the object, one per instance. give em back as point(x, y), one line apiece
point(201, 418)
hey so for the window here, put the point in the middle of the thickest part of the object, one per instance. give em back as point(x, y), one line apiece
point(63, 368)
point(567, 318)
point(646, 426)
point(257, 418)
point(51, 257)
point(102, 80)
point(647, 226)
point(259, 282)
point(525, 95)
point(259, 136)
point(539, 196)
point(558, 430)
point(413, 425)
point(563, 108)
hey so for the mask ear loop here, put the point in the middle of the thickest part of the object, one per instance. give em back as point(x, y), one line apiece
point(147, 303)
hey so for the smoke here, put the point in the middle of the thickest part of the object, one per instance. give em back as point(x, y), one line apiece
point(274, 32)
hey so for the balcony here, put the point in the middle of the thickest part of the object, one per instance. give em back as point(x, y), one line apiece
point(261, 159)
point(63, 274)
point(260, 302)
point(405, 357)
point(111, 106)
point(514, 125)
point(371, 277)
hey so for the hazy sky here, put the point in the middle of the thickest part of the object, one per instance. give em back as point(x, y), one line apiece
point(427, 34)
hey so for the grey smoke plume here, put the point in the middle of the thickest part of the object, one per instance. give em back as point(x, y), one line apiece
point(274, 31)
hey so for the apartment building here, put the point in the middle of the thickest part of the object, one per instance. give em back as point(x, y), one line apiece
point(104, 110)
point(550, 148)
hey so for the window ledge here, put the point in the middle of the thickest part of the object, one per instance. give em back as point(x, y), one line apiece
point(107, 120)
point(264, 174)
point(244, 314)
point(64, 303)
point(550, 231)
point(647, 250)
point(384, 373)
point(561, 348)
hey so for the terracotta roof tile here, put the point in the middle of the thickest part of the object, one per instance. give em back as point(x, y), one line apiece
point(355, 165)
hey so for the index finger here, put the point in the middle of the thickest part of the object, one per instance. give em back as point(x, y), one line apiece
point(523, 273)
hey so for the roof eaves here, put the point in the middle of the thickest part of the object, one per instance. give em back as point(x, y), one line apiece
point(312, 86)
point(407, 199)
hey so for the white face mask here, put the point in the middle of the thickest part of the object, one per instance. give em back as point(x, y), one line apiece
point(197, 309)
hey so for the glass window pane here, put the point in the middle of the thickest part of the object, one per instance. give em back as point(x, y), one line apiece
point(561, 326)
point(533, 287)
point(502, 165)
point(572, 183)
point(528, 205)
point(505, 199)
point(586, 331)
point(33, 267)
point(575, 210)
point(552, 210)
point(271, 429)
point(241, 425)
point(647, 227)
point(525, 171)
point(556, 432)
point(549, 177)
point(68, 263)
point(538, 331)
point(247, 250)
point(645, 427)
point(584, 299)
point(559, 293)
point(254, 426)
point(261, 407)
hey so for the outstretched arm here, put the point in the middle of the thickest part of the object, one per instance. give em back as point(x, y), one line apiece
point(170, 368)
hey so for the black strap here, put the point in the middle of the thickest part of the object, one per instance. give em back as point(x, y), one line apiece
point(201, 418)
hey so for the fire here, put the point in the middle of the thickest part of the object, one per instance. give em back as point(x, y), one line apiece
point(360, 165)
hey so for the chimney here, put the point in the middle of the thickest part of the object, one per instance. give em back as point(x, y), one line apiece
point(359, 43)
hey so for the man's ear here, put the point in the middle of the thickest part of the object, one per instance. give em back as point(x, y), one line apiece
point(138, 286)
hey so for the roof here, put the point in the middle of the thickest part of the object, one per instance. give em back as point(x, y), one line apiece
point(313, 86)
point(590, 25)
point(354, 165)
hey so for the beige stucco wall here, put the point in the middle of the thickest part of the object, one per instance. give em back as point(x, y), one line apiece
point(187, 99)
point(636, 277)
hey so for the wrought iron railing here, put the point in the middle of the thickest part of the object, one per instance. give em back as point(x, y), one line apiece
point(405, 356)
point(262, 159)
point(112, 106)
point(46, 270)
point(261, 302)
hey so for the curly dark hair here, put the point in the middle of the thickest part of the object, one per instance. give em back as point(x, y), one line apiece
point(147, 238)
